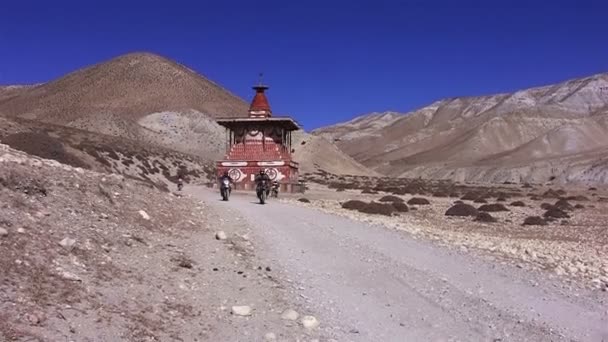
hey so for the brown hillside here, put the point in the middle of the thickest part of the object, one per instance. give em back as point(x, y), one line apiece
point(535, 135)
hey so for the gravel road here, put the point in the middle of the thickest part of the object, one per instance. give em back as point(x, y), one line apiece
point(369, 283)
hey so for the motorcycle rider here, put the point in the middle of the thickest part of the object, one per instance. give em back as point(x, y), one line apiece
point(275, 188)
point(180, 184)
point(262, 176)
point(226, 176)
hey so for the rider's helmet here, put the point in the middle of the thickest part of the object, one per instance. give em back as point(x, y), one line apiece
point(225, 174)
point(261, 171)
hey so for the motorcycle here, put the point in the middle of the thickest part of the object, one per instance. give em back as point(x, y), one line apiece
point(225, 189)
point(262, 191)
point(274, 192)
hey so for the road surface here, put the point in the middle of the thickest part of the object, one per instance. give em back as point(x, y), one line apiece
point(369, 283)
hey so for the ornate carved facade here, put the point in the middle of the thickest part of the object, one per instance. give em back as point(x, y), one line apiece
point(259, 141)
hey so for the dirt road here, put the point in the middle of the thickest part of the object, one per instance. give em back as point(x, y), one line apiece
point(368, 283)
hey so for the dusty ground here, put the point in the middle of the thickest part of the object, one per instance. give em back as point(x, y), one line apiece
point(370, 283)
point(575, 248)
point(80, 262)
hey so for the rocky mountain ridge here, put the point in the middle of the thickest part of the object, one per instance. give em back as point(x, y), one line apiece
point(555, 132)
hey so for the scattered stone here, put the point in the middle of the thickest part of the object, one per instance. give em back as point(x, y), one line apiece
point(68, 243)
point(579, 206)
point(310, 322)
point(241, 310)
point(304, 200)
point(144, 215)
point(3, 232)
point(463, 249)
point(462, 209)
point(21, 231)
point(69, 276)
point(270, 337)
point(221, 235)
point(290, 315)
point(34, 318)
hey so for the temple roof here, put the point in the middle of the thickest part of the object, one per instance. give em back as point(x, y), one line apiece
point(283, 122)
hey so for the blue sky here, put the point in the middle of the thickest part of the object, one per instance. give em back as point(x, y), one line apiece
point(326, 61)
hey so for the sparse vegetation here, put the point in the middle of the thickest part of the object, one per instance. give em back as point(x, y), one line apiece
point(391, 198)
point(418, 201)
point(485, 217)
point(518, 204)
point(493, 207)
point(534, 221)
point(462, 210)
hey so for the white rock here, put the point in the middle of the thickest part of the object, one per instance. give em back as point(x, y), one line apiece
point(241, 310)
point(289, 315)
point(270, 337)
point(3, 232)
point(144, 215)
point(463, 249)
point(69, 276)
point(221, 235)
point(310, 322)
point(67, 243)
point(21, 231)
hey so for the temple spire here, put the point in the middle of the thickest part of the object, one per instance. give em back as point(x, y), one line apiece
point(260, 108)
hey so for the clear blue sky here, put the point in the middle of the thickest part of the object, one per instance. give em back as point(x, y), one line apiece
point(326, 61)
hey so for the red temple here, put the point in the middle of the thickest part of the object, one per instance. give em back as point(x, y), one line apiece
point(259, 141)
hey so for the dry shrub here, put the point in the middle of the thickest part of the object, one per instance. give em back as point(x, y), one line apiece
point(391, 198)
point(547, 206)
point(534, 221)
point(458, 202)
point(480, 200)
point(485, 217)
point(454, 194)
point(518, 204)
point(501, 199)
point(592, 189)
point(579, 198)
point(368, 191)
point(470, 196)
point(354, 205)
point(563, 205)
point(376, 208)
point(493, 207)
point(526, 186)
point(556, 213)
point(440, 194)
point(579, 206)
point(534, 198)
point(462, 210)
point(303, 200)
point(401, 207)
point(553, 193)
point(418, 201)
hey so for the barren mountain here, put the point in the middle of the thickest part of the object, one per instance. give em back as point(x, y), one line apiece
point(139, 96)
point(147, 100)
point(556, 132)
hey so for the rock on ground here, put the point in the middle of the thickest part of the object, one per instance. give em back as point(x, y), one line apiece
point(243, 310)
